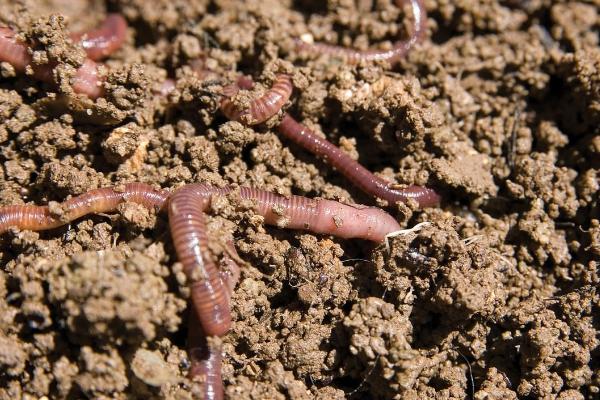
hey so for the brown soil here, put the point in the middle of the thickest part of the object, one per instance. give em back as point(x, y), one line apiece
point(495, 298)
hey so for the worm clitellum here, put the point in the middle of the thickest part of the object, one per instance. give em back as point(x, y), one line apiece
point(98, 43)
point(393, 55)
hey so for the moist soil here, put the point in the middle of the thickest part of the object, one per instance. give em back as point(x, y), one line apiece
point(495, 296)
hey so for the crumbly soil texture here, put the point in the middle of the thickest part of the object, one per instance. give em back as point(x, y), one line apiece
point(495, 294)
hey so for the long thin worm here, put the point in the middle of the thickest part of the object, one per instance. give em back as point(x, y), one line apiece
point(352, 170)
point(393, 55)
point(97, 43)
point(38, 218)
point(261, 109)
point(208, 292)
point(186, 219)
point(206, 358)
point(101, 42)
point(331, 154)
point(86, 80)
point(210, 287)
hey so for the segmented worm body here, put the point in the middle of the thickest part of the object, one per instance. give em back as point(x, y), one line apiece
point(393, 55)
point(261, 109)
point(38, 218)
point(327, 151)
point(208, 292)
point(211, 287)
point(97, 44)
point(322, 216)
point(352, 170)
point(205, 357)
point(205, 360)
point(101, 42)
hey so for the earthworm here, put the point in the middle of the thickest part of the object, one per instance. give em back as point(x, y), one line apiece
point(208, 292)
point(38, 218)
point(331, 154)
point(393, 55)
point(86, 80)
point(261, 109)
point(206, 358)
point(186, 219)
point(104, 40)
point(97, 43)
point(352, 170)
point(321, 215)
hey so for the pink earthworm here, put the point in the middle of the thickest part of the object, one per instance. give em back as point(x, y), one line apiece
point(98, 43)
point(331, 154)
point(261, 109)
point(208, 292)
point(352, 170)
point(206, 358)
point(393, 55)
point(38, 218)
point(211, 288)
point(186, 219)
point(86, 80)
point(101, 42)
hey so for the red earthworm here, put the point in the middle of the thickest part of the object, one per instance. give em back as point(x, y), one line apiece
point(206, 358)
point(208, 293)
point(261, 109)
point(104, 40)
point(352, 170)
point(186, 220)
point(98, 43)
point(393, 55)
point(86, 80)
point(38, 218)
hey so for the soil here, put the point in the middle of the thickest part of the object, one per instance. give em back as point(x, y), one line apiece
point(494, 297)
